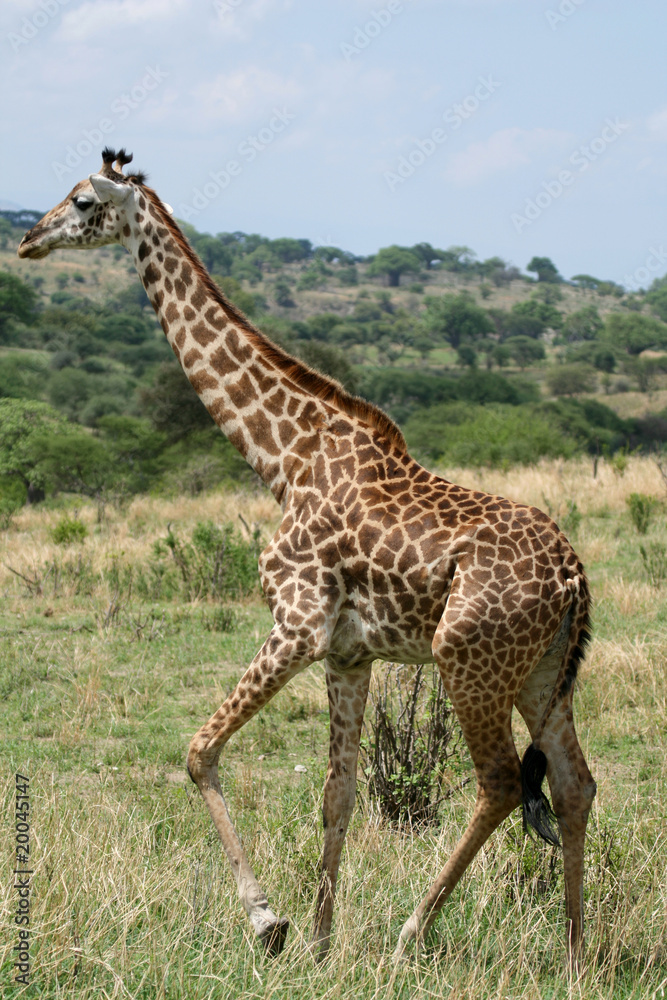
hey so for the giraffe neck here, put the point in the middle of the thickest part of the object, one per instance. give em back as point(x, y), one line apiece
point(233, 369)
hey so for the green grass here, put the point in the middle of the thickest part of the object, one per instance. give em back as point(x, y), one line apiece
point(132, 897)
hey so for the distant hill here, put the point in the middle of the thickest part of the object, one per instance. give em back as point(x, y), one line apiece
point(19, 216)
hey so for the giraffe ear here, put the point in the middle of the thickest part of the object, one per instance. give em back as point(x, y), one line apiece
point(109, 190)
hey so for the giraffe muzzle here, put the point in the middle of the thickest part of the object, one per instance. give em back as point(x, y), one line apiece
point(30, 247)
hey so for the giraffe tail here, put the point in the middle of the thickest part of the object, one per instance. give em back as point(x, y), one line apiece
point(538, 814)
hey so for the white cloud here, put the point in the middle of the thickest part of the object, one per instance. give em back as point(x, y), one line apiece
point(506, 149)
point(240, 95)
point(239, 18)
point(96, 16)
point(657, 124)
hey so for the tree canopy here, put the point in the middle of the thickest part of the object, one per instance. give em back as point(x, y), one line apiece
point(393, 262)
point(545, 269)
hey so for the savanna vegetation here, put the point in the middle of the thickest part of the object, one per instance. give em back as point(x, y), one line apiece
point(120, 634)
point(482, 365)
point(129, 533)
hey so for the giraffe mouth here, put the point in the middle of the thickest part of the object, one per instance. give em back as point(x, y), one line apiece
point(33, 251)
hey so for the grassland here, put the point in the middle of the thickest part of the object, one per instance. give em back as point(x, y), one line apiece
point(102, 688)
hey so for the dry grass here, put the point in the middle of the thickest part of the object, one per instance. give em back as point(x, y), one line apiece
point(636, 404)
point(554, 485)
point(126, 536)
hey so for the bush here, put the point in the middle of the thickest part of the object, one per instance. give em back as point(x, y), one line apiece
point(348, 276)
point(654, 557)
point(412, 735)
point(217, 562)
point(69, 530)
point(570, 380)
point(641, 508)
point(496, 435)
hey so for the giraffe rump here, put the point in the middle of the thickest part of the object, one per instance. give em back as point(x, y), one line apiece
point(583, 637)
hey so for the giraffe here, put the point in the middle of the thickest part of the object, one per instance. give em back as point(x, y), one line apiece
point(375, 558)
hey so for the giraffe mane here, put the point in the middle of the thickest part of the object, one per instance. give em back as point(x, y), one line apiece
point(323, 387)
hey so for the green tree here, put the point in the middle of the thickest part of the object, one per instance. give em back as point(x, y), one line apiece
point(634, 333)
point(21, 422)
point(329, 360)
point(525, 351)
point(586, 281)
point(172, 405)
point(289, 250)
point(427, 254)
point(570, 380)
point(493, 435)
point(657, 298)
point(69, 390)
point(457, 319)
point(74, 462)
point(545, 269)
point(245, 301)
point(22, 376)
point(466, 356)
point(393, 262)
point(18, 301)
point(531, 318)
point(319, 327)
point(348, 276)
point(331, 255)
point(601, 356)
point(584, 324)
point(283, 293)
point(458, 258)
point(214, 254)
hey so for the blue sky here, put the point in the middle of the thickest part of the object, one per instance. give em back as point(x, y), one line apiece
point(515, 127)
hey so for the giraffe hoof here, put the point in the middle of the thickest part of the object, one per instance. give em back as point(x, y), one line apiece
point(273, 938)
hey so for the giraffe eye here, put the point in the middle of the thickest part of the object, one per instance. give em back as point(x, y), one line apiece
point(82, 202)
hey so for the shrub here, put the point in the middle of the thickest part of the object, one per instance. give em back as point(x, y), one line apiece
point(217, 562)
point(641, 507)
point(570, 380)
point(404, 752)
point(496, 435)
point(654, 557)
point(221, 619)
point(283, 294)
point(572, 519)
point(69, 530)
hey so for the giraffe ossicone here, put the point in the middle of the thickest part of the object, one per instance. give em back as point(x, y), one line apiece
point(375, 558)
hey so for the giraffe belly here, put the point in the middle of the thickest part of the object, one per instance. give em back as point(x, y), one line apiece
point(359, 639)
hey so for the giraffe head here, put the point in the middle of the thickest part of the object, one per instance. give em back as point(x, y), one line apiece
point(94, 213)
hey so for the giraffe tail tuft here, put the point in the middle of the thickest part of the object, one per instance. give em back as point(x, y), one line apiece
point(537, 812)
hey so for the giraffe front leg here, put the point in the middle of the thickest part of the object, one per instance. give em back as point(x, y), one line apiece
point(283, 655)
point(347, 699)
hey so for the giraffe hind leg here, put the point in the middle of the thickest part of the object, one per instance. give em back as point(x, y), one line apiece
point(498, 772)
point(570, 781)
